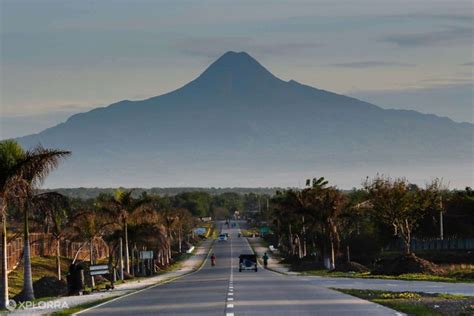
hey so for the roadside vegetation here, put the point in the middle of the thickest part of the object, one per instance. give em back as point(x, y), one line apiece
point(112, 228)
point(370, 232)
point(319, 229)
point(418, 304)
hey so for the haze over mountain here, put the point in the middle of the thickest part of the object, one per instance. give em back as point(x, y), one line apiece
point(239, 125)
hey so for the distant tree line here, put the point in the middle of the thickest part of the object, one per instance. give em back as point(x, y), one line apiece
point(89, 193)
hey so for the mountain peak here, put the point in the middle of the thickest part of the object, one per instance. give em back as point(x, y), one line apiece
point(232, 57)
point(233, 67)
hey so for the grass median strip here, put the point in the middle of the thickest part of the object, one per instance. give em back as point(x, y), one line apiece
point(418, 304)
point(405, 277)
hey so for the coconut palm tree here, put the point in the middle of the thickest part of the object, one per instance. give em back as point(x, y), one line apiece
point(123, 206)
point(322, 206)
point(28, 171)
point(10, 155)
point(51, 212)
point(89, 226)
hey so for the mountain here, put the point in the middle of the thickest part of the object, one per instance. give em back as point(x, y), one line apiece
point(239, 125)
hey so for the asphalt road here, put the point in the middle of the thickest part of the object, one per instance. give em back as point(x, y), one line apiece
point(223, 290)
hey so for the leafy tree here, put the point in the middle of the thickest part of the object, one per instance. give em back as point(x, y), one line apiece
point(198, 203)
point(401, 205)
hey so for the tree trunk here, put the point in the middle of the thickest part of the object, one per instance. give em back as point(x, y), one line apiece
point(27, 292)
point(304, 239)
point(4, 302)
point(121, 258)
point(169, 254)
point(179, 240)
point(333, 257)
point(91, 254)
point(407, 238)
point(290, 235)
point(127, 254)
point(58, 258)
point(132, 260)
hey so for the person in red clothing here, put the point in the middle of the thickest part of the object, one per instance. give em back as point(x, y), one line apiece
point(213, 260)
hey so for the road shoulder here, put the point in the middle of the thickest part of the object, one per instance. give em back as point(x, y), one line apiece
point(89, 301)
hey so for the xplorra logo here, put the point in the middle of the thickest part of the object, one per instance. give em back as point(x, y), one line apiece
point(12, 305)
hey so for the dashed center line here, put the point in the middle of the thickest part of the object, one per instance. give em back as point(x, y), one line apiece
point(230, 294)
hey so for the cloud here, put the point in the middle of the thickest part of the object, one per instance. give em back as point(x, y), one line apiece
point(371, 64)
point(214, 47)
point(453, 34)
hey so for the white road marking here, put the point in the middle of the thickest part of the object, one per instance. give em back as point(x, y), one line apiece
point(165, 281)
point(230, 298)
point(230, 305)
point(229, 314)
point(230, 293)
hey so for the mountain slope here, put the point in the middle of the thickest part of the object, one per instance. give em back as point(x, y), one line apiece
point(237, 124)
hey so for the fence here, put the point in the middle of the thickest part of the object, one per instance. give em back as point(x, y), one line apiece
point(45, 245)
point(445, 244)
point(436, 244)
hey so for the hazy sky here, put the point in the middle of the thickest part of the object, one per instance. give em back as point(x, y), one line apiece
point(63, 57)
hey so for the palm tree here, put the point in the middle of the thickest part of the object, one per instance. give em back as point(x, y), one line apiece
point(10, 154)
point(28, 171)
point(51, 212)
point(89, 226)
point(323, 205)
point(122, 206)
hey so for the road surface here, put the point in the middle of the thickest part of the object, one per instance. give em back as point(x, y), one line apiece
point(223, 290)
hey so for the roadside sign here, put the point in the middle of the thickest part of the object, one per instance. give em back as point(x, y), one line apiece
point(99, 269)
point(200, 231)
point(146, 254)
point(264, 230)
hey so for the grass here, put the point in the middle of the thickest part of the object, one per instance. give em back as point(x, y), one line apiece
point(406, 277)
point(78, 308)
point(40, 267)
point(418, 304)
point(178, 263)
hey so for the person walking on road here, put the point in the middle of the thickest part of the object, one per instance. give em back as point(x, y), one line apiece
point(265, 260)
point(213, 260)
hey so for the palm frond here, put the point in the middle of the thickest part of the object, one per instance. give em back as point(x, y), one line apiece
point(37, 163)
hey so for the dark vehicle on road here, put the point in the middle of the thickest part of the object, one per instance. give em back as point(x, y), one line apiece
point(248, 262)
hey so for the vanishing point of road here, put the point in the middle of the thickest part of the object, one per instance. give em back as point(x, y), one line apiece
point(223, 290)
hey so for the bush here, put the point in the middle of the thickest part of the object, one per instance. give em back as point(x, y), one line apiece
point(49, 286)
point(406, 264)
